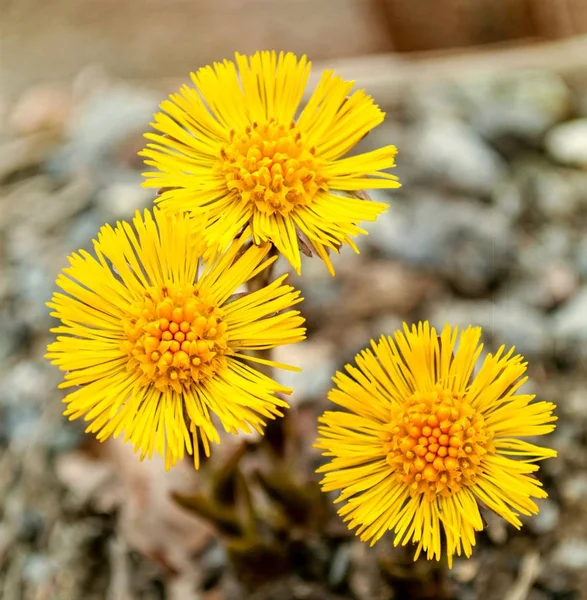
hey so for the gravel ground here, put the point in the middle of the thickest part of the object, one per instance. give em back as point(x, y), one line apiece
point(489, 229)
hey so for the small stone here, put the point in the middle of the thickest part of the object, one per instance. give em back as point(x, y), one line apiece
point(100, 125)
point(84, 228)
point(34, 289)
point(567, 143)
point(316, 358)
point(535, 594)
point(212, 563)
point(570, 325)
point(465, 571)
point(22, 424)
point(46, 106)
point(547, 518)
point(549, 287)
point(507, 197)
point(21, 199)
point(382, 286)
point(27, 383)
point(37, 569)
point(552, 244)
point(506, 321)
point(385, 324)
point(566, 441)
point(523, 105)
point(497, 530)
point(571, 553)
point(574, 489)
point(556, 195)
point(469, 243)
point(30, 527)
point(560, 283)
point(339, 567)
point(85, 477)
point(121, 200)
point(574, 403)
point(3, 114)
point(24, 154)
point(318, 287)
point(448, 151)
point(436, 98)
point(16, 336)
point(67, 202)
point(365, 577)
point(581, 257)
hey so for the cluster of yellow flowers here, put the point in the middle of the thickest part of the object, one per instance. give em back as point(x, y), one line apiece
point(158, 340)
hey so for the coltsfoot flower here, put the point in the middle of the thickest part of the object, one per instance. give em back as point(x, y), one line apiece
point(422, 441)
point(232, 151)
point(153, 338)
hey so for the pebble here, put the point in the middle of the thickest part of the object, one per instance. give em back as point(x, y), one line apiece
point(121, 200)
point(467, 242)
point(507, 198)
point(560, 283)
point(84, 228)
point(318, 288)
point(535, 594)
point(574, 489)
point(25, 153)
point(16, 337)
point(449, 152)
point(523, 105)
point(73, 198)
point(567, 143)
point(465, 571)
point(439, 99)
point(317, 362)
point(556, 195)
point(547, 518)
point(581, 257)
point(30, 526)
point(22, 427)
point(26, 383)
point(549, 287)
point(339, 567)
point(46, 106)
point(571, 553)
point(382, 286)
point(37, 569)
point(506, 322)
point(570, 324)
point(574, 402)
point(552, 243)
point(35, 287)
point(213, 564)
point(566, 440)
point(100, 125)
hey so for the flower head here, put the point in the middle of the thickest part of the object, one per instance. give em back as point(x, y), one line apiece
point(153, 338)
point(232, 151)
point(423, 441)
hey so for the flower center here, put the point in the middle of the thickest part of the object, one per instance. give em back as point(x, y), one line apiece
point(270, 166)
point(435, 443)
point(175, 338)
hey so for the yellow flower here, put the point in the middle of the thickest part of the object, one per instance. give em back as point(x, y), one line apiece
point(232, 151)
point(422, 440)
point(153, 338)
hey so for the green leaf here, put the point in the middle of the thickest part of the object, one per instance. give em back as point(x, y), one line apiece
point(222, 518)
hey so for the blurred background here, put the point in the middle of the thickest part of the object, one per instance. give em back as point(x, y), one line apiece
point(487, 103)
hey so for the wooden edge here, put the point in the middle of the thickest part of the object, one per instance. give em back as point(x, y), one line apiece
point(388, 75)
